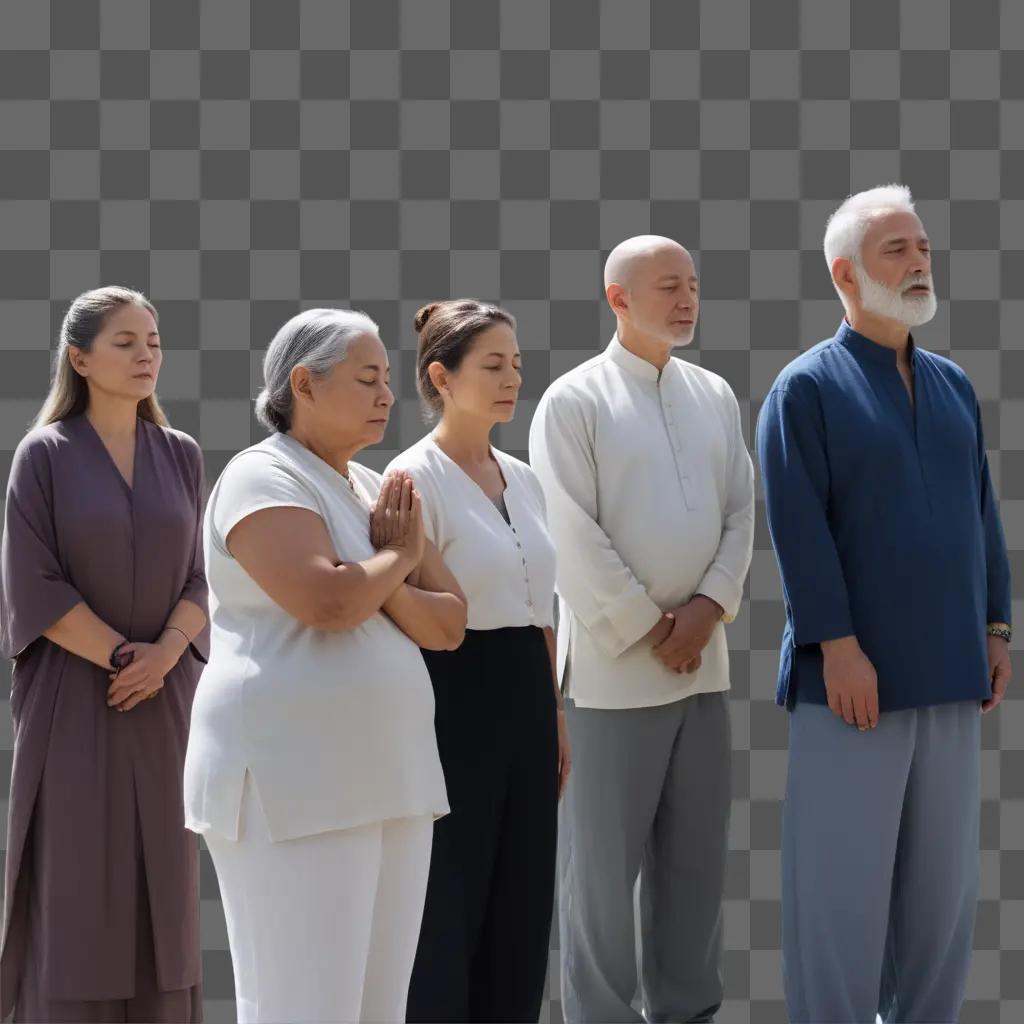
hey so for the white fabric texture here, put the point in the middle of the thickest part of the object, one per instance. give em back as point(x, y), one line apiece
point(324, 927)
point(336, 726)
point(505, 569)
point(650, 500)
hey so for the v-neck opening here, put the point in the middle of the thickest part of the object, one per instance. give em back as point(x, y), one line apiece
point(487, 498)
point(129, 487)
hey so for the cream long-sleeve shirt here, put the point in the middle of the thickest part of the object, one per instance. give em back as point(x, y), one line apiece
point(650, 500)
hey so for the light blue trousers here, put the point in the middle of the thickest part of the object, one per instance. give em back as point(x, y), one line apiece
point(880, 864)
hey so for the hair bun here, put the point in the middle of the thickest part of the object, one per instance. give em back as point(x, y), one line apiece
point(423, 314)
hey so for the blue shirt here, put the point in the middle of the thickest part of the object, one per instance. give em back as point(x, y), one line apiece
point(884, 521)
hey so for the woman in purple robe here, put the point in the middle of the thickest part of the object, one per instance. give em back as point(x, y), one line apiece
point(103, 607)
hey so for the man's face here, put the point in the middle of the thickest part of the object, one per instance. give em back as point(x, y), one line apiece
point(894, 274)
point(662, 296)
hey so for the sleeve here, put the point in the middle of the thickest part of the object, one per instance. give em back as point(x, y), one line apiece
point(723, 581)
point(997, 564)
point(599, 588)
point(34, 592)
point(794, 471)
point(196, 589)
point(251, 482)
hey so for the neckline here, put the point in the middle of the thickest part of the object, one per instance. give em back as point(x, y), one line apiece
point(633, 363)
point(503, 494)
point(129, 487)
point(861, 345)
point(348, 482)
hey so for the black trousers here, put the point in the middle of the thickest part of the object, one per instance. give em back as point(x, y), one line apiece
point(483, 948)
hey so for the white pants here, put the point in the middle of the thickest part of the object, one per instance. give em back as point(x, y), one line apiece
point(322, 928)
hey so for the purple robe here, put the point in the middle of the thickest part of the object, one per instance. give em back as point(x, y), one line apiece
point(88, 782)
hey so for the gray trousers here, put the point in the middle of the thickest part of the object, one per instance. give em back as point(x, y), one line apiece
point(649, 795)
point(880, 864)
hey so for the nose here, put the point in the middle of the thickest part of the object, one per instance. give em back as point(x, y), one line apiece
point(387, 397)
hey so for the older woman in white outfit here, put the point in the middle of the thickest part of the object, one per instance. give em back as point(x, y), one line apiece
point(312, 766)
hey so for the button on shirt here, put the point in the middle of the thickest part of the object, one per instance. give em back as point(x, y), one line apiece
point(884, 521)
point(650, 500)
point(506, 569)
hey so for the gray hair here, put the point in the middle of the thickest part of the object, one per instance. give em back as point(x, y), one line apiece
point(846, 228)
point(317, 339)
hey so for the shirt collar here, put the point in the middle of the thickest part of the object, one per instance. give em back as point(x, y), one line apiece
point(631, 362)
point(863, 347)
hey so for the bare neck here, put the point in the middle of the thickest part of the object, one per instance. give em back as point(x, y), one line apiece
point(112, 418)
point(465, 440)
point(336, 455)
point(651, 350)
point(882, 331)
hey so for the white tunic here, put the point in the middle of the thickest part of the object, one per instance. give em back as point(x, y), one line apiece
point(505, 569)
point(650, 500)
point(336, 727)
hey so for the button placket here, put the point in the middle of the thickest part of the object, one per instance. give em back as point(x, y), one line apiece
point(672, 430)
point(526, 572)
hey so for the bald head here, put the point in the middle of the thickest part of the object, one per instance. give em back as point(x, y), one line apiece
point(650, 283)
point(634, 254)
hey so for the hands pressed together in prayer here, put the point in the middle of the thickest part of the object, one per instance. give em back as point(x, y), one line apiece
point(396, 521)
point(681, 635)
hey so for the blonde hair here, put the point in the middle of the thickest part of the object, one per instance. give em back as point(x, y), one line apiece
point(86, 317)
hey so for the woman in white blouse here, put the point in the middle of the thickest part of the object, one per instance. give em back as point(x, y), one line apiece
point(312, 766)
point(483, 947)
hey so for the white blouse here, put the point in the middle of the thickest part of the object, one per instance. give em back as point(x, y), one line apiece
point(336, 727)
point(506, 569)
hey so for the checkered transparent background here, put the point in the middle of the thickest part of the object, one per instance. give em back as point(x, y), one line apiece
point(240, 161)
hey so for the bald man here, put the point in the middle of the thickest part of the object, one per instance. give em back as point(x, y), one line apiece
point(650, 502)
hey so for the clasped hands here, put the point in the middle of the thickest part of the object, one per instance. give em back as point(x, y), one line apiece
point(681, 634)
point(141, 677)
point(396, 520)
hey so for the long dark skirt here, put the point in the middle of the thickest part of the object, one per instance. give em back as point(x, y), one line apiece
point(483, 949)
point(149, 1005)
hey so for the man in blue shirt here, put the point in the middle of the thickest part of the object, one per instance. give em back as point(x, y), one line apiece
point(897, 592)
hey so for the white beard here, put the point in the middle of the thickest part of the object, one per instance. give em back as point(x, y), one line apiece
point(892, 303)
point(681, 340)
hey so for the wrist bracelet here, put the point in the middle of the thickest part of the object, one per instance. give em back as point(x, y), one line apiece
point(115, 661)
point(1000, 629)
point(181, 631)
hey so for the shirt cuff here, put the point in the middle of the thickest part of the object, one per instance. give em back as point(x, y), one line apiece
point(626, 621)
point(721, 587)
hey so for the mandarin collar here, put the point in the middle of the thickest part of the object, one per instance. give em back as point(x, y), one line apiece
point(631, 362)
point(863, 347)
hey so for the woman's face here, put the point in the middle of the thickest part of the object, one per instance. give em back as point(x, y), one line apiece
point(487, 381)
point(351, 405)
point(124, 361)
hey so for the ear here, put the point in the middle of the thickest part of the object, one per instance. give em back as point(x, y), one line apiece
point(302, 383)
point(844, 279)
point(438, 376)
point(617, 298)
point(76, 357)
